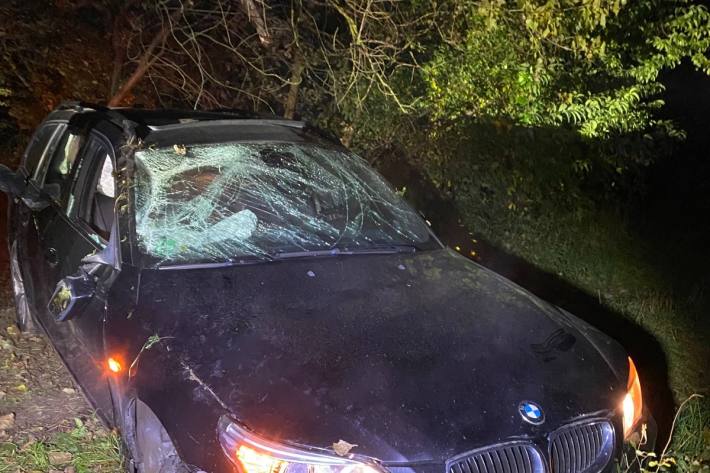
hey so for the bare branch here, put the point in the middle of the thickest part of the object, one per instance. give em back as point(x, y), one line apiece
point(257, 18)
point(143, 64)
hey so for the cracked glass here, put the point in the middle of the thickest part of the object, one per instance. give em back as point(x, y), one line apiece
point(223, 202)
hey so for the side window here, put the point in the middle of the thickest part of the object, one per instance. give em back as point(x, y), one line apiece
point(106, 185)
point(100, 217)
point(37, 148)
point(97, 188)
point(58, 170)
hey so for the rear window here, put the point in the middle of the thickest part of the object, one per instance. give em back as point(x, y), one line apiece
point(219, 202)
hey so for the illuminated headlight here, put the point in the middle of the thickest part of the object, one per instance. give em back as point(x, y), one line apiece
point(632, 406)
point(251, 454)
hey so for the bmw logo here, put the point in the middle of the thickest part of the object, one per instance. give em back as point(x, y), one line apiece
point(531, 412)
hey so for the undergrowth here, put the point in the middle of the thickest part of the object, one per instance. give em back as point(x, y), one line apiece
point(80, 449)
point(685, 450)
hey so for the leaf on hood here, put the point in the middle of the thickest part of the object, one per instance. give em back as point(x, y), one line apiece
point(342, 447)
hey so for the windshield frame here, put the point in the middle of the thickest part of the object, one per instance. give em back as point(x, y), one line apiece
point(145, 260)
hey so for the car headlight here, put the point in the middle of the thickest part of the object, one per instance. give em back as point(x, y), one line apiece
point(632, 406)
point(251, 454)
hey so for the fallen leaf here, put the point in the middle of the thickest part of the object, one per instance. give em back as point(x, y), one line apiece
point(68, 391)
point(7, 421)
point(59, 458)
point(342, 447)
point(21, 388)
point(31, 440)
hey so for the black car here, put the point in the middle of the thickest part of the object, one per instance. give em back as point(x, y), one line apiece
point(239, 293)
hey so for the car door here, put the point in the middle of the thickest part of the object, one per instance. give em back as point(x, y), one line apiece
point(24, 232)
point(42, 259)
point(79, 227)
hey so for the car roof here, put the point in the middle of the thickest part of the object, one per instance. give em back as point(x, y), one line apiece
point(166, 127)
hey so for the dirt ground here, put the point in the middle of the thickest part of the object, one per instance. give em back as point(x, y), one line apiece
point(37, 395)
point(34, 385)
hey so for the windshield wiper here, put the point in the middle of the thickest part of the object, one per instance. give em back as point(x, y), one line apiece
point(236, 261)
point(371, 250)
point(279, 255)
point(385, 249)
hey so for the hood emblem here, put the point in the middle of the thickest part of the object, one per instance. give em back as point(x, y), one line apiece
point(531, 412)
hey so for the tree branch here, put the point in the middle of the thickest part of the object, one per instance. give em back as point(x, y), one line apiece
point(146, 60)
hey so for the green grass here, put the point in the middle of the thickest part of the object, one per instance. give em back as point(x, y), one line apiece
point(90, 452)
point(600, 256)
point(691, 439)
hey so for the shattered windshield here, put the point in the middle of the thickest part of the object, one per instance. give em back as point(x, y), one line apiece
point(223, 202)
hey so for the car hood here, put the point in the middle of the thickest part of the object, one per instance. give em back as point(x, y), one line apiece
point(413, 357)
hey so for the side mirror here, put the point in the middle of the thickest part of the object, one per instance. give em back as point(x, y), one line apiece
point(72, 295)
point(11, 182)
point(42, 199)
point(53, 191)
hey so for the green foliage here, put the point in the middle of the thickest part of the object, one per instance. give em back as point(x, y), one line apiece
point(4, 92)
point(89, 452)
point(497, 87)
point(480, 78)
point(588, 64)
point(689, 448)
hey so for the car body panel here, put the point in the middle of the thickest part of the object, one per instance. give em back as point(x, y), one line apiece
point(411, 357)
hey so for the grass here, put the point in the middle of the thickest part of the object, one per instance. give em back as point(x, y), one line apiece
point(90, 453)
point(690, 444)
point(600, 256)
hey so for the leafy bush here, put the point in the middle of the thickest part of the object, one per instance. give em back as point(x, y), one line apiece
point(591, 65)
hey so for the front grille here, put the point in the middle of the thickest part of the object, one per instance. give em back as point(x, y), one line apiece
point(582, 448)
point(506, 458)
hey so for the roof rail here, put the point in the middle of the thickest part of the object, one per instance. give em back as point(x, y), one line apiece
point(238, 113)
point(77, 106)
point(139, 119)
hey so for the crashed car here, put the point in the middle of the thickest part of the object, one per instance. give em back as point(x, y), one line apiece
point(241, 293)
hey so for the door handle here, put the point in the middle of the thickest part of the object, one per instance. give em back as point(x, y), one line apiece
point(51, 256)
